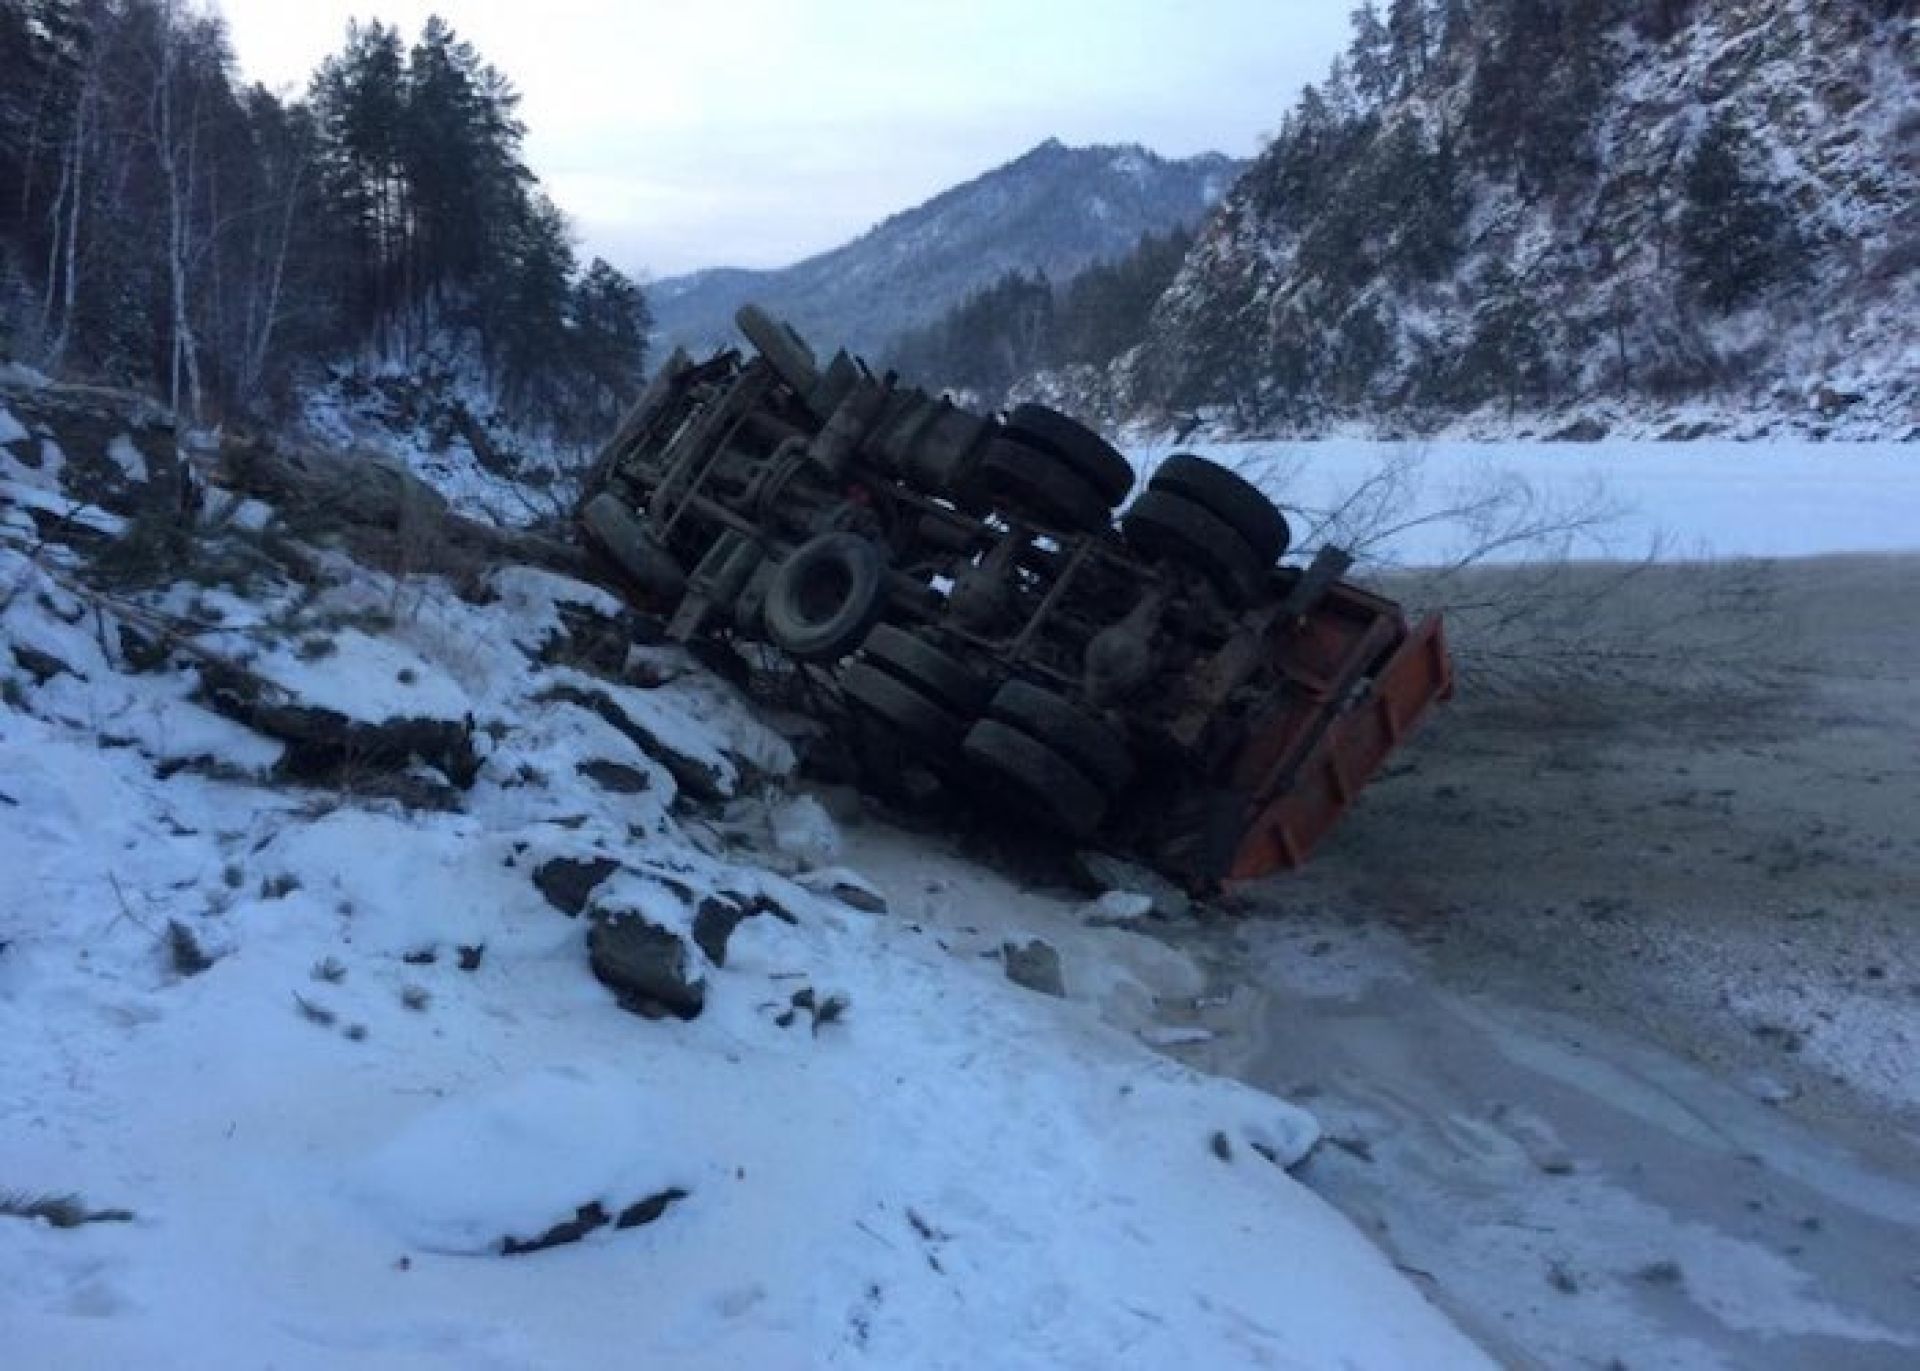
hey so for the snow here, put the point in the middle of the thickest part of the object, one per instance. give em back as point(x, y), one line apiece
point(327, 1134)
point(1708, 498)
point(513, 1160)
point(11, 429)
point(131, 463)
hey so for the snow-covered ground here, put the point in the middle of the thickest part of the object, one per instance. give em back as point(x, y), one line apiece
point(395, 1057)
point(1710, 498)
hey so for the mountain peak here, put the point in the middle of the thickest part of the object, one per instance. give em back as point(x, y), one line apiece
point(1054, 210)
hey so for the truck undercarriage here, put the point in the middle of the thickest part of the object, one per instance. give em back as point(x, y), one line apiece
point(1168, 687)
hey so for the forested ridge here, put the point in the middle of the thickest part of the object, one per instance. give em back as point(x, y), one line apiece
point(167, 226)
point(1503, 207)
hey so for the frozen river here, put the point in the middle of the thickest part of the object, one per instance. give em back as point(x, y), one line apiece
point(1700, 499)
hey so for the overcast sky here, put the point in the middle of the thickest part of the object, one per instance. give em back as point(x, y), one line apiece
point(691, 133)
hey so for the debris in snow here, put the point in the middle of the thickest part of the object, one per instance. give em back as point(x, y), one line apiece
point(59, 1211)
point(1034, 965)
point(1536, 1138)
point(1770, 1089)
point(188, 958)
point(1112, 875)
point(646, 966)
point(831, 1010)
point(589, 1218)
point(850, 888)
point(1117, 908)
point(805, 832)
point(131, 462)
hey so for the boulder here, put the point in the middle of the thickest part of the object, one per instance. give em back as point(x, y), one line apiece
point(1034, 965)
point(568, 882)
point(648, 968)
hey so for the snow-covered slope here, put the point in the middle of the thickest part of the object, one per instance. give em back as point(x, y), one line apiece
point(317, 1010)
point(1054, 210)
point(1411, 251)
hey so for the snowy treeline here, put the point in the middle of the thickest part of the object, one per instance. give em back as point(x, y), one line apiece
point(167, 226)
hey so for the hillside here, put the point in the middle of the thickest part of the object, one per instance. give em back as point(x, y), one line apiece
point(1509, 216)
point(1055, 210)
point(368, 933)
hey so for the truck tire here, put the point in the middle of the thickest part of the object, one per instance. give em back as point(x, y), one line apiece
point(1086, 742)
point(1096, 460)
point(626, 539)
point(944, 679)
point(1168, 527)
point(1044, 784)
point(790, 358)
point(1230, 498)
point(920, 721)
point(1037, 482)
point(823, 600)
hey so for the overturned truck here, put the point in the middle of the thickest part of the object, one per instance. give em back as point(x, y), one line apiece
point(1167, 687)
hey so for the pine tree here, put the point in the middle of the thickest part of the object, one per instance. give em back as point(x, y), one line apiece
point(1735, 237)
point(611, 321)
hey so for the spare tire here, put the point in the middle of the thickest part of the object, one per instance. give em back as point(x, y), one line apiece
point(1166, 527)
point(625, 537)
point(824, 599)
point(1096, 460)
point(1230, 498)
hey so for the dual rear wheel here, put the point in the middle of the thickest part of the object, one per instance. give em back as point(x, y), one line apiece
point(1027, 747)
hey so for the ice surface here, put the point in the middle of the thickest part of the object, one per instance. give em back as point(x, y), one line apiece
point(1707, 498)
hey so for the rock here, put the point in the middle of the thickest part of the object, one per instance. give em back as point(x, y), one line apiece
point(614, 777)
point(1111, 874)
point(697, 778)
point(1035, 966)
point(1689, 432)
point(848, 887)
point(42, 666)
point(322, 743)
point(719, 915)
point(647, 967)
point(1831, 402)
point(1584, 430)
point(568, 883)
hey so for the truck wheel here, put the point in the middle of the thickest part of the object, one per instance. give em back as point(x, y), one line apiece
point(1042, 484)
point(943, 679)
point(1091, 456)
point(1043, 783)
point(1230, 498)
point(774, 340)
point(825, 597)
point(909, 713)
point(625, 537)
point(1083, 740)
point(1169, 527)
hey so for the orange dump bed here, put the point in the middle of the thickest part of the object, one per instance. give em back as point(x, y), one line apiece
point(1355, 683)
